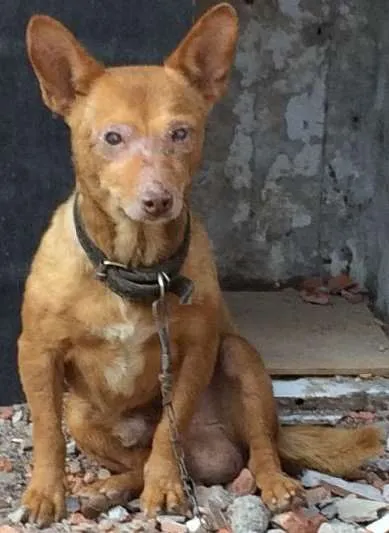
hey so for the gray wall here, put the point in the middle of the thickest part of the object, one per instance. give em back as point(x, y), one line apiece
point(294, 181)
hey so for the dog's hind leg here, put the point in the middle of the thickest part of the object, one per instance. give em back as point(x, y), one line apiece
point(97, 440)
point(249, 407)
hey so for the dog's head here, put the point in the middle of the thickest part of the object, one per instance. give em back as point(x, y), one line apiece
point(137, 132)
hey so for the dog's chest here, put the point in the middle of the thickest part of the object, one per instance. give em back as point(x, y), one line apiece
point(125, 343)
point(123, 332)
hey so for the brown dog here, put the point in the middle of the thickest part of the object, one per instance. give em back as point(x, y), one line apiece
point(137, 135)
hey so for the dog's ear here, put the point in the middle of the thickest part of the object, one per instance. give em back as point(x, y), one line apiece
point(63, 68)
point(206, 54)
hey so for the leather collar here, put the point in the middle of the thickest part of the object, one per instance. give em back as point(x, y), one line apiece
point(137, 284)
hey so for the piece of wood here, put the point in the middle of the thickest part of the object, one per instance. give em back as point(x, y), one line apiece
point(298, 338)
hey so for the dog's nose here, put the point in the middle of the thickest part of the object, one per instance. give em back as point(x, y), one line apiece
point(157, 203)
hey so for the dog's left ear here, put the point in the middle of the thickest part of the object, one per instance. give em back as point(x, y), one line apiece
point(206, 54)
point(63, 68)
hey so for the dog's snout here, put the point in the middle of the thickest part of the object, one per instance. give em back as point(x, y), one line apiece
point(157, 203)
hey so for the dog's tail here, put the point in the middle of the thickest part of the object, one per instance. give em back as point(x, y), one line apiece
point(336, 451)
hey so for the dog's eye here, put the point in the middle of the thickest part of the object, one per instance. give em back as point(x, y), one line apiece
point(113, 138)
point(179, 134)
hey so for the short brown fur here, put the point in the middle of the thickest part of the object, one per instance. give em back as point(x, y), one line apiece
point(76, 331)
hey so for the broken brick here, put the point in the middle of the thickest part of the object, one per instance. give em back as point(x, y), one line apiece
point(244, 484)
point(352, 297)
point(362, 416)
point(5, 464)
point(338, 283)
point(297, 521)
point(315, 296)
point(76, 519)
point(6, 413)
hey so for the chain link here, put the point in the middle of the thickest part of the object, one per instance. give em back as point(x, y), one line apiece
point(160, 313)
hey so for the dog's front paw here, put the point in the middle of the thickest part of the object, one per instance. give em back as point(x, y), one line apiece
point(103, 494)
point(44, 501)
point(278, 491)
point(162, 487)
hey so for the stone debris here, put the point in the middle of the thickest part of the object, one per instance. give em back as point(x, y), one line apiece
point(339, 527)
point(119, 514)
point(134, 506)
point(330, 510)
point(248, 515)
point(333, 505)
point(353, 509)
point(169, 525)
point(89, 477)
point(379, 526)
point(244, 484)
point(74, 467)
point(172, 517)
point(71, 447)
point(103, 473)
point(106, 525)
point(318, 496)
point(18, 515)
point(299, 521)
point(195, 526)
point(17, 417)
point(373, 479)
point(24, 444)
point(216, 494)
point(8, 529)
point(311, 478)
point(73, 504)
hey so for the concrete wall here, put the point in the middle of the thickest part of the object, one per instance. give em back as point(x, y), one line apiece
point(294, 180)
point(378, 239)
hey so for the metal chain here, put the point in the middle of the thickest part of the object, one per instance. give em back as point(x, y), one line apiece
point(160, 313)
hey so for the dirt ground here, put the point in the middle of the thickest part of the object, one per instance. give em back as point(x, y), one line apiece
point(15, 469)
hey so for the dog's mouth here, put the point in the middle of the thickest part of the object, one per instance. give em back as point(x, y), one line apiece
point(155, 219)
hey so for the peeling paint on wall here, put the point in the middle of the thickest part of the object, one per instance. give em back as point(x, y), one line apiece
point(307, 161)
point(305, 114)
point(296, 180)
point(238, 164)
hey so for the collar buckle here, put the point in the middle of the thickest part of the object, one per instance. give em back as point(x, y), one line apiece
point(102, 267)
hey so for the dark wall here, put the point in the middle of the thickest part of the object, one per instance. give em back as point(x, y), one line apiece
point(35, 170)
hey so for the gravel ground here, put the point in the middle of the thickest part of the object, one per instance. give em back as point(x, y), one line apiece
point(229, 510)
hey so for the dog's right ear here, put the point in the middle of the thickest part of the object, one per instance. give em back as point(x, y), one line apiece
point(63, 68)
point(205, 55)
